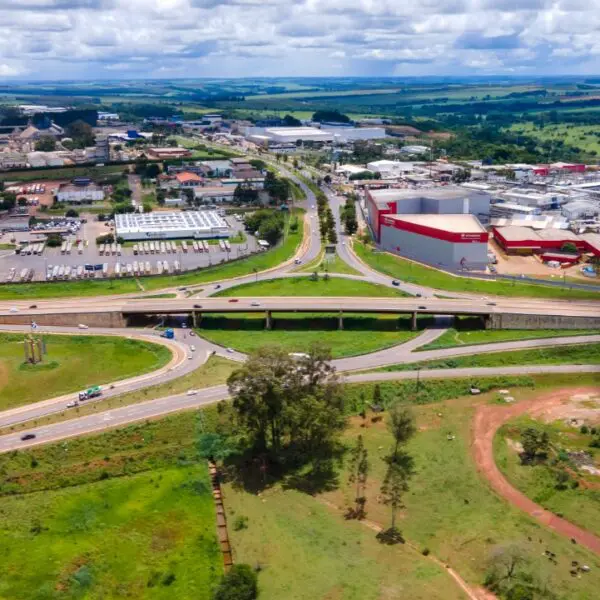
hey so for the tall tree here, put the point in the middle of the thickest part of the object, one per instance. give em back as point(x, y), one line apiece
point(359, 470)
point(401, 424)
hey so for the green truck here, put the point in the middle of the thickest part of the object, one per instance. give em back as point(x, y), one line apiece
point(91, 392)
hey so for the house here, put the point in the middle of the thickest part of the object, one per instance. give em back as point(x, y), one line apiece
point(188, 180)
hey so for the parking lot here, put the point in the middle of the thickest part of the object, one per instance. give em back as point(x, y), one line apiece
point(81, 258)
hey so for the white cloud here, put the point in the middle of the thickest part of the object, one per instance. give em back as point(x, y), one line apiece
point(158, 38)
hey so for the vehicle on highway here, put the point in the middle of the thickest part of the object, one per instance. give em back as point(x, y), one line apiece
point(28, 436)
point(395, 282)
point(491, 304)
point(82, 326)
point(13, 309)
point(230, 350)
point(297, 261)
point(33, 306)
point(422, 308)
point(190, 357)
point(91, 392)
point(73, 404)
point(168, 333)
point(193, 348)
point(218, 286)
point(192, 392)
point(255, 304)
point(197, 305)
point(233, 300)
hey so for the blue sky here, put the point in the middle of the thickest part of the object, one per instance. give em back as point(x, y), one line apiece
point(92, 39)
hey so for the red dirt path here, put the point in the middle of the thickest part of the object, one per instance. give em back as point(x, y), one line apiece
point(488, 419)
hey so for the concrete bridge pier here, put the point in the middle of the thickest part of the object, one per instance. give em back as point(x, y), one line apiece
point(341, 321)
point(413, 322)
point(268, 320)
point(196, 319)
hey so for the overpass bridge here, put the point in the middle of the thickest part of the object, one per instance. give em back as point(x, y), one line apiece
point(507, 313)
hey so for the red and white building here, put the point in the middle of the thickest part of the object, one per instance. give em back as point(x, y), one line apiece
point(450, 241)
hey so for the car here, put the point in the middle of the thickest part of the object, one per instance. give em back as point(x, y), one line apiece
point(192, 333)
point(13, 309)
point(28, 436)
point(33, 306)
point(230, 350)
point(190, 357)
point(493, 269)
point(233, 300)
point(297, 261)
point(183, 326)
point(419, 295)
point(192, 392)
point(395, 282)
point(73, 404)
point(193, 348)
point(491, 304)
point(422, 308)
point(255, 304)
point(181, 289)
point(82, 326)
point(197, 305)
point(218, 286)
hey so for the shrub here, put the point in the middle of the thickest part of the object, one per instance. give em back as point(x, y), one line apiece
point(240, 583)
point(240, 523)
point(583, 429)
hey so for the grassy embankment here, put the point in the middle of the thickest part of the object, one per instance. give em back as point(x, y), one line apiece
point(411, 272)
point(98, 287)
point(144, 482)
point(297, 332)
point(578, 501)
point(61, 173)
point(71, 363)
point(329, 264)
point(461, 336)
point(125, 514)
point(582, 354)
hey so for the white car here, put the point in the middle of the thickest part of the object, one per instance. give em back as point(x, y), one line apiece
point(190, 357)
point(230, 350)
point(73, 404)
point(82, 326)
point(192, 392)
point(14, 309)
point(255, 304)
point(193, 348)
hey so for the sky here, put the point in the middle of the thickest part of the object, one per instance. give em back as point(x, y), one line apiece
point(120, 39)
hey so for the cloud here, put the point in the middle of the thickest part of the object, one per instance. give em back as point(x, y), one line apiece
point(230, 38)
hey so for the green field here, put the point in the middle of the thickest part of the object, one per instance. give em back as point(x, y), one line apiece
point(61, 173)
point(128, 514)
point(416, 273)
point(581, 354)
point(330, 264)
point(296, 333)
point(585, 137)
point(580, 504)
point(71, 364)
point(305, 286)
point(458, 337)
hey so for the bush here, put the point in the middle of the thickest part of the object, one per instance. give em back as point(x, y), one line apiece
point(583, 429)
point(72, 213)
point(54, 240)
point(240, 583)
point(240, 523)
point(108, 238)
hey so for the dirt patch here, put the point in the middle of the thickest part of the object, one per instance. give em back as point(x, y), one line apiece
point(488, 418)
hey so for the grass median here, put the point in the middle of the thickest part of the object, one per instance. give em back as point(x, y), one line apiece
point(580, 354)
point(412, 272)
point(71, 363)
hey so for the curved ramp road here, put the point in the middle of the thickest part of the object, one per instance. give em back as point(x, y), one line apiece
point(162, 406)
point(488, 419)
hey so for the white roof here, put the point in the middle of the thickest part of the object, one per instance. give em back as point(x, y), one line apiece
point(298, 131)
point(165, 222)
point(453, 223)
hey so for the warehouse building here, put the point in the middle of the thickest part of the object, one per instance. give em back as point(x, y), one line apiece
point(425, 201)
point(80, 193)
point(451, 241)
point(171, 225)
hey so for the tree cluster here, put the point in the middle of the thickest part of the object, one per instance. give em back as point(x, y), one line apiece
point(8, 200)
point(267, 224)
point(364, 175)
point(535, 445)
point(277, 187)
point(330, 116)
point(245, 193)
point(348, 215)
point(146, 170)
point(46, 144)
point(81, 133)
point(285, 406)
point(326, 219)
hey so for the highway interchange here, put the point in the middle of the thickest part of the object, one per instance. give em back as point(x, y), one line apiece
point(308, 251)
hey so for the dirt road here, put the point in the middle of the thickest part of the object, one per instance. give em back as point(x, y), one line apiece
point(488, 419)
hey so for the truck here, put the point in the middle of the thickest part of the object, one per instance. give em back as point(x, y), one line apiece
point(91, 392)
point(168, 333)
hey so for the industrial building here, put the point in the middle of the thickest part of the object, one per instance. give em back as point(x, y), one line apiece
point(325, 134)
point(171, 225)
point(425, 201)
point(451, 241)
point(79, 193)
point(214, 194)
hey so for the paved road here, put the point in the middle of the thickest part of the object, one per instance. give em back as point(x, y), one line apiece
point(162, 406)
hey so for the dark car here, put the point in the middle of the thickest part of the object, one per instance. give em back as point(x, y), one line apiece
point(233, 300)
point(197, 305)
point(395, 282)
point(28, 436)
point(422, 308)
point(33, 306)
point(218, 286)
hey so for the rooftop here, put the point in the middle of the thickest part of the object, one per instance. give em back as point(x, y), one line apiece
point(434, 193)
point(206, 220)
point(452, 223)
point(186, 177)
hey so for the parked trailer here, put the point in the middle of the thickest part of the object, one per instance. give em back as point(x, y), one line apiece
point(79, 272)
point(221, 245)
point(105, 270)
point(118, 269)
point(80, 248)
point(69, 248)
point(165, 266)
point(175, 248)
point(55, 272)
point(205, 245)
point(119, 249)
point(73, 273)
point(151, 247)
point(63, 248)
point(135, 249)
point(136, 267)
point(129, 270)
point(30, 274)
point(184, 247)
point(68, 270)
point(148, 268)
point(11, 274)
point(23, 274)
point(163, 248)
point(101, 249)
point(61, 272)
point(113, 249)
point(227, 245)
point(176, 267)
point(195, 246)
point(159, 267)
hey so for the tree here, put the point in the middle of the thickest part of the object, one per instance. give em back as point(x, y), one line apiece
point(46, 144)
point(377, 395)
point(215, 447)
point(72, 213)
point(147, 207)
point(535, 445)
point(400, 469)
point(54, 240)
point(569, 247)
point(259, 165)
point(81, 133)
point(281, 403)
point(239, 583)
point(332, 116)
point(291, 121)
point(508, 573)
point(359, 470)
